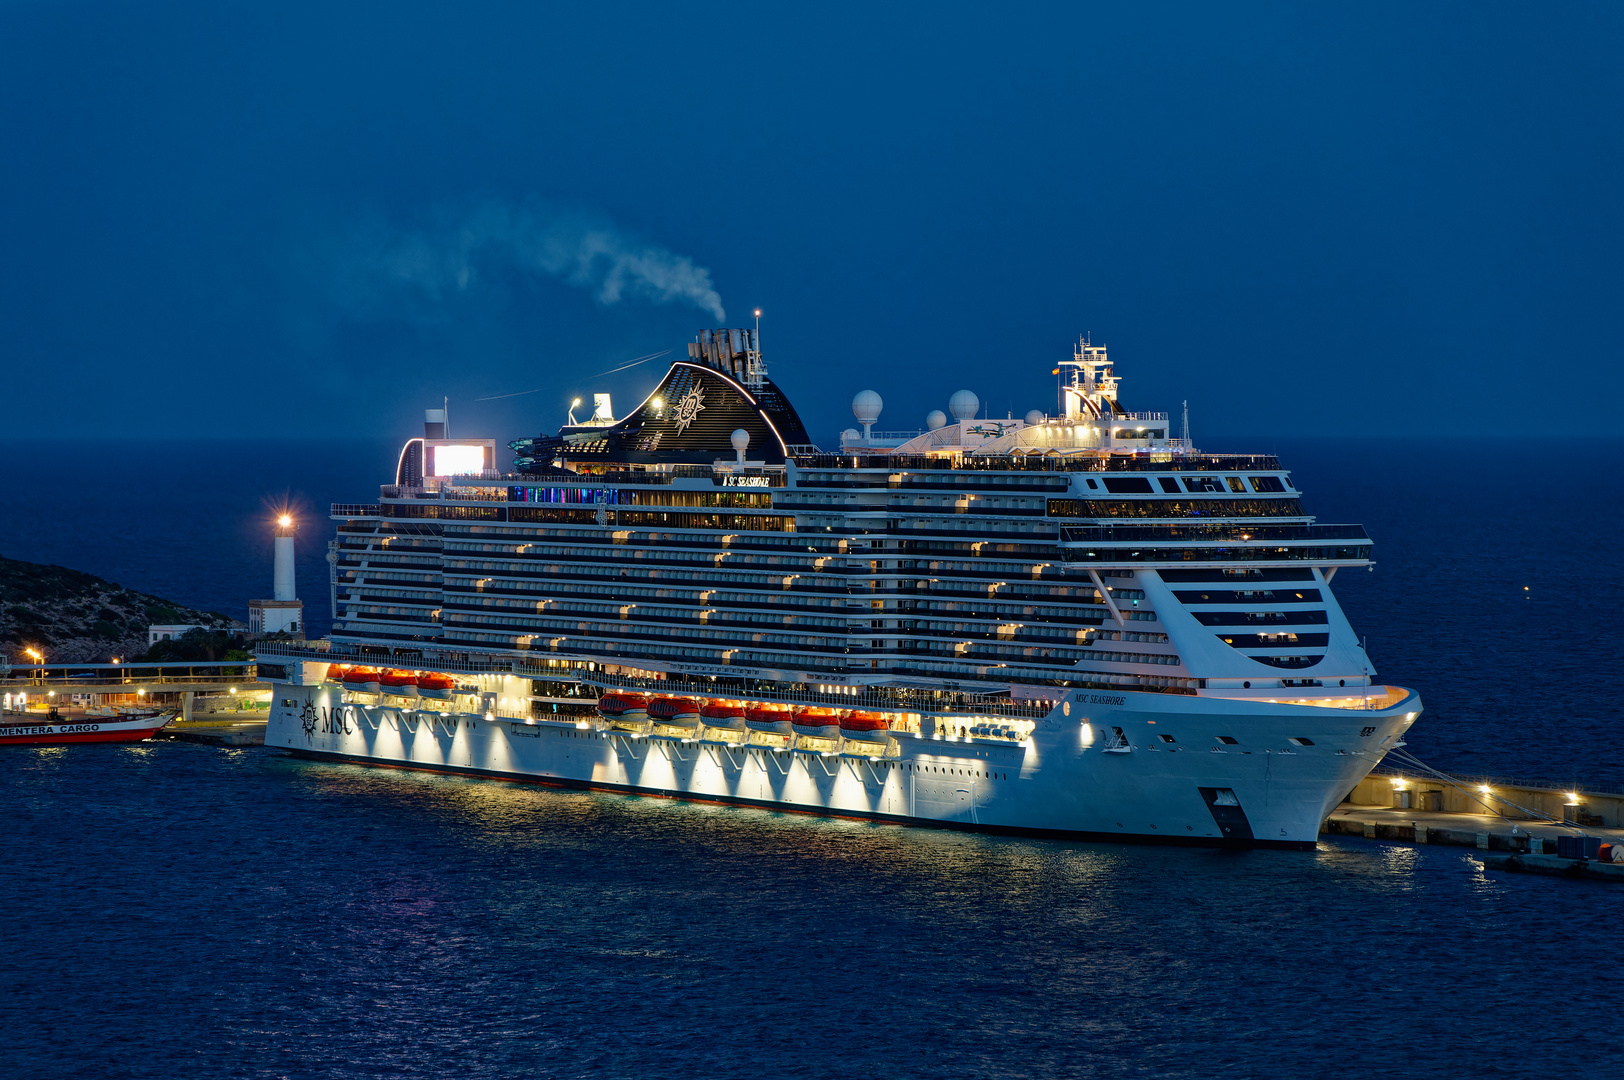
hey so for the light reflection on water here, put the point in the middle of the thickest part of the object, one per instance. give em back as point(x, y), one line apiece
point(298, 919)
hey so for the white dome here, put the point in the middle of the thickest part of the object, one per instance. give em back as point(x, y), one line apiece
point(851, 434)
point(866, 406)
point(1034, 418)
point(963, 405)
point(741, 438)
point(935, 419)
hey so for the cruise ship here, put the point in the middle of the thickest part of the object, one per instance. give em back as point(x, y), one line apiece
point(1067, 624)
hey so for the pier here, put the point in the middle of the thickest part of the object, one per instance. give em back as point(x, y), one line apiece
point(1518, 828)
point(140, 685)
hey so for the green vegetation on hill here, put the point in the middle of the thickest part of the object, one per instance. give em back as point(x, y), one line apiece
point(74, 617)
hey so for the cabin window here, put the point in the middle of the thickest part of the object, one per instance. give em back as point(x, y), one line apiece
point(1228, 741)
point(1169, 484)
point(1127, 485)
point(1266, 483)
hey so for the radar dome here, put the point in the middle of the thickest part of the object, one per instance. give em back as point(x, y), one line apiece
point(741, 438)
point(935, 419)
point(850, 435)
point(1034, 418)
point(866, 406)
point(963, 405)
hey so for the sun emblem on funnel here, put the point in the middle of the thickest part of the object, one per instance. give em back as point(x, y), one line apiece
point(688, 408)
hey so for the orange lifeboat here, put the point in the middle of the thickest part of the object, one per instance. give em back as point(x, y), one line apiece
point(398, 682)
point(769, 717)
point(616, 706)
point(365, 679)
point(432, 684)
point(723, 715)
point(335, 672)
point(676, 711)
point(817, 722)
point(865, 727)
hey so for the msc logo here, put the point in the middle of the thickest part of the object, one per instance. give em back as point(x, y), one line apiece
point(334, 721)
point(688, 408)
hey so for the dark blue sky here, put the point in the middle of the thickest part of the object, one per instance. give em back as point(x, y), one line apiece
point(295, 218)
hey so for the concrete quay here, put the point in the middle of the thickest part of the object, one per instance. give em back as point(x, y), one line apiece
point(1486, 832)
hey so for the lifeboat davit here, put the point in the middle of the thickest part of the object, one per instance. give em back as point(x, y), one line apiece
point(676, 711)
point(432, 684)
point(768, 717)
point(865, 727)
point(623, 707)
point(723, 715)
point(398, 682)
point(365, 679)
point(819, 723)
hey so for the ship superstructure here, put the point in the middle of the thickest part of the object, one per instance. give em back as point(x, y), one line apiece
point(1073, 623)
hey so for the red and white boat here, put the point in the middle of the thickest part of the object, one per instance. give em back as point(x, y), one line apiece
point(623, 707)
point(722, 715)
point(18, 729)
point(816, 722)
point(865, 727)
point(398, 682)
point(367, 680)
point(432, 684)
point(676, 711)
point(768, 717)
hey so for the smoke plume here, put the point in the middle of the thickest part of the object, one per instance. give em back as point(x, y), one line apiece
point(449, 259)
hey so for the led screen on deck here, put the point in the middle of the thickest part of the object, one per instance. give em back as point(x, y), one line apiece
point(452, 460)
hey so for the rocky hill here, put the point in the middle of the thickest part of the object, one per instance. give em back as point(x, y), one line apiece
point(75, 617)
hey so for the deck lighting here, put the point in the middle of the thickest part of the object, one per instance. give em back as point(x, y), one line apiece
point(38, 659)
point(284, 521)
point(1573, 798)
point(1484, 788)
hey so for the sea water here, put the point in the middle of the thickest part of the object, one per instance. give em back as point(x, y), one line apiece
point(174, 910)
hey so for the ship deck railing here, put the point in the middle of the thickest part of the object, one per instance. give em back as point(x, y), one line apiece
point(1157, 461)
point(1210, 533)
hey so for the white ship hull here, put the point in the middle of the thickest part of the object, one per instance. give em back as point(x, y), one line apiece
point(1289, 766)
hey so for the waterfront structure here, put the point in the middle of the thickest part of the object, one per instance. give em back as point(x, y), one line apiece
point(284, 612)
point(1076, 624)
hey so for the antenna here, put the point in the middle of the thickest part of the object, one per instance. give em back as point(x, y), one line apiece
point(446, 402)
point(1186, 425)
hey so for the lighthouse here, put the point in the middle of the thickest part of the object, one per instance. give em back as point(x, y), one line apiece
point(284, 612)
